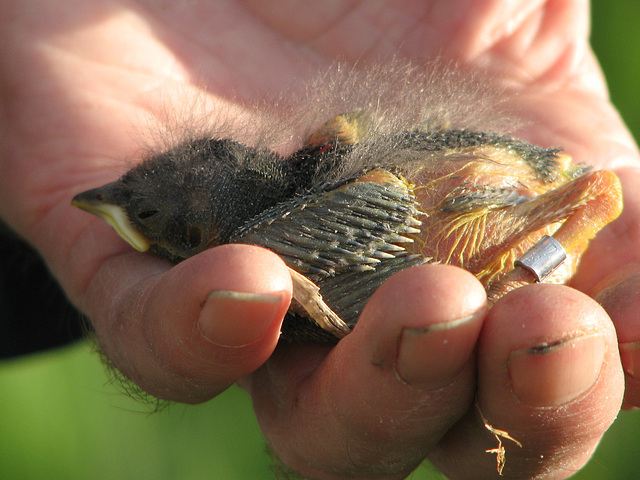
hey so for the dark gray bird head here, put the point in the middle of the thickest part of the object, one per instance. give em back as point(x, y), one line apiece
point(190, 198)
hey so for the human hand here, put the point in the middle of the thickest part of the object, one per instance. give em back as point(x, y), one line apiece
point(73, 86)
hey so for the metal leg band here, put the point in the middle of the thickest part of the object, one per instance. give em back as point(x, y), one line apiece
point(543, 258)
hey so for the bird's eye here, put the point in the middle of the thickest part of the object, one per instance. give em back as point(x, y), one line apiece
point(146, 214)
point(194, 237)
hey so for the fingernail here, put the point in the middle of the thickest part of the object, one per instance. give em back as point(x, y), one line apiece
point(235, 319)
point(630, 356)
point(433, 356)
point(552, 374)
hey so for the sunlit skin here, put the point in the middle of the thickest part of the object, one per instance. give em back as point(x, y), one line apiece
point(79, 78)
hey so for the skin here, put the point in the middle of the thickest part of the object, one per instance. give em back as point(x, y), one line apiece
point(76, 74)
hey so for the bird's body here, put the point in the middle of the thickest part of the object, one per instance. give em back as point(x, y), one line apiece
point(355, 205)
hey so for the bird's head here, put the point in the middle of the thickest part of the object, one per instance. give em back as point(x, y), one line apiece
point(179, 202)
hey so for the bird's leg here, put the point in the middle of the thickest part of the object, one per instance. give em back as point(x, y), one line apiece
point(604, 206)
point(307, 297)
point(599, 197)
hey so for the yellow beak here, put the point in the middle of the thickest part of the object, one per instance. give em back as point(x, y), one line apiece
point(115, 216)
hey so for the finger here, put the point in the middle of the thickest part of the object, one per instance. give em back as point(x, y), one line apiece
point(189, 332)
point(620, 297)
point(548, 374)
point(388, 391)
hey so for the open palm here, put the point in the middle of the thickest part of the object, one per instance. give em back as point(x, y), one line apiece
point(80, 78)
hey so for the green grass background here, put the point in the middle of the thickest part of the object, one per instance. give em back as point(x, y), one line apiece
point(61, 419)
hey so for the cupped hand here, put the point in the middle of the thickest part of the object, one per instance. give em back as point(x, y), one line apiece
point(427, 365)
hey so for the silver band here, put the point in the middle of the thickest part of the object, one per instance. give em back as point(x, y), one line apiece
point(543, 258)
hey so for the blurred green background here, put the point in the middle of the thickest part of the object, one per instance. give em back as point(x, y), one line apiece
point(61, 419)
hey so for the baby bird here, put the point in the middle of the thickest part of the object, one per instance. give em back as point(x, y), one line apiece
point(357, 204)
